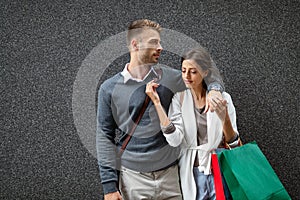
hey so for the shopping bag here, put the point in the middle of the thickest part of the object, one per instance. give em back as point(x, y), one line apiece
point(249, 175)
point(217, 177)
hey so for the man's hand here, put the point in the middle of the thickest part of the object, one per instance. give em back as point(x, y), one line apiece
point(212, 97)
point(113, 196)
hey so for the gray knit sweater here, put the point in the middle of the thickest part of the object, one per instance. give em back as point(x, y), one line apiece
point(119, 104)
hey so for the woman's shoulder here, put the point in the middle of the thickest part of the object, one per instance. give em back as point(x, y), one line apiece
point(181, 94)
point(226, 95)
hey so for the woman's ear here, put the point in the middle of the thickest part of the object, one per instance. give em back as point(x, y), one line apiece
point(205, 74)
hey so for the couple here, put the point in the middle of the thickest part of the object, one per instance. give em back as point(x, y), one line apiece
point(168, 157)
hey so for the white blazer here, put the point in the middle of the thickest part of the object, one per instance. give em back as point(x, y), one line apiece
point(182, 116)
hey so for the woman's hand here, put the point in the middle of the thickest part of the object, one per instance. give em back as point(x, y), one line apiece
point(220, 106)
point(211, 96)
point(221, 110)
point(152, 93)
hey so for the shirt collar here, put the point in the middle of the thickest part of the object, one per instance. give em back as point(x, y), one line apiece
point(127, 76)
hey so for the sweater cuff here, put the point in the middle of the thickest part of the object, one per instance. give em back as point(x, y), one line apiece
point(110, 187)
point(215, 86)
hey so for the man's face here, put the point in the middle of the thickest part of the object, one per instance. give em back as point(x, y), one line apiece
point(149, 47)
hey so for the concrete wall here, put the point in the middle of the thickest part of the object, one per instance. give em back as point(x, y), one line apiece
point(44, 44)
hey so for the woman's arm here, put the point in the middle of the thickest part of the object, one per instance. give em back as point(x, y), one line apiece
point(171, 127)
point(228, 130)
point(152, 93)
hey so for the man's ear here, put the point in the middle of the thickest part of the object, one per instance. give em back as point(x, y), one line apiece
point(134, 45)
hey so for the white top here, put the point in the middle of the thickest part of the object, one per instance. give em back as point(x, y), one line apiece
point(183, 117)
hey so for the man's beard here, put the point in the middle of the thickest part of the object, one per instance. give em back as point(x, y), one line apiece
point(147, 59)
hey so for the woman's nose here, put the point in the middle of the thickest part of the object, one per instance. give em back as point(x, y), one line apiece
point(186, 75)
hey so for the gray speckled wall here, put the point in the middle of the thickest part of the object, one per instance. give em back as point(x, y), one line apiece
point(43, 44)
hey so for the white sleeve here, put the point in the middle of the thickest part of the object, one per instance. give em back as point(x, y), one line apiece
point(175, 138)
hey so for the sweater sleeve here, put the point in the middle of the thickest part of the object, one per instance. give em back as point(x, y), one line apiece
point(215, 80)
point(105, 144)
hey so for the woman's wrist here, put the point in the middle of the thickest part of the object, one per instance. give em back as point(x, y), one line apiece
point(163, 118)
point(156, 103)
point(234, 138)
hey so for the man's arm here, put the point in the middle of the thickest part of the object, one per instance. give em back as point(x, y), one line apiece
point(215, 80)
point(105, 144)
point(215, 87)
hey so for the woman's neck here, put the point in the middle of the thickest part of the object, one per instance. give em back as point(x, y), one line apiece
point(198, 92)
point(199, 95)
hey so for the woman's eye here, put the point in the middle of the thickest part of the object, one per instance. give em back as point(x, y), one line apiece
point(193, 72)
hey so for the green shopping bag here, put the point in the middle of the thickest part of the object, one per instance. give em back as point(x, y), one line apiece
point(249, 175)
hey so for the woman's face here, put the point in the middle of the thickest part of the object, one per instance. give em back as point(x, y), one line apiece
point(191, 74)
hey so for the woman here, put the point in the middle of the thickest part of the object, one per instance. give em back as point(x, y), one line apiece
point(198, 133)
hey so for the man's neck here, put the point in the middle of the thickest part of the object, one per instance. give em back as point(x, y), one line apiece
point(138, 71)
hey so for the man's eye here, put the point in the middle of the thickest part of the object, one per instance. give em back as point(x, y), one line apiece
point(153, 42)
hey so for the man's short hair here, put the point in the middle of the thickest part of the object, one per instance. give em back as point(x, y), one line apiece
point(136, 27)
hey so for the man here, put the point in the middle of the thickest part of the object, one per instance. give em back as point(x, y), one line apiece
point(147, 169)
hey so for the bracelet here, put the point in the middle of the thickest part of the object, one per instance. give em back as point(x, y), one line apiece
point(168, 129)
point(234, 139)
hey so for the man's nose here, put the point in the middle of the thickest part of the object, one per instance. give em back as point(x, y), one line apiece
point(159, 48)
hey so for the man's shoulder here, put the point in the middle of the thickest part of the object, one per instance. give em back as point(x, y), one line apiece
point(171, 78)
point(167, 69)
point(169, 72)
point(112, 80)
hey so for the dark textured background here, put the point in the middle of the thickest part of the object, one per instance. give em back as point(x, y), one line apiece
point(43, 43)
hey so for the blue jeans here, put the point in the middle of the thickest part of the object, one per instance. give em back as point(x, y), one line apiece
point(205, 185)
